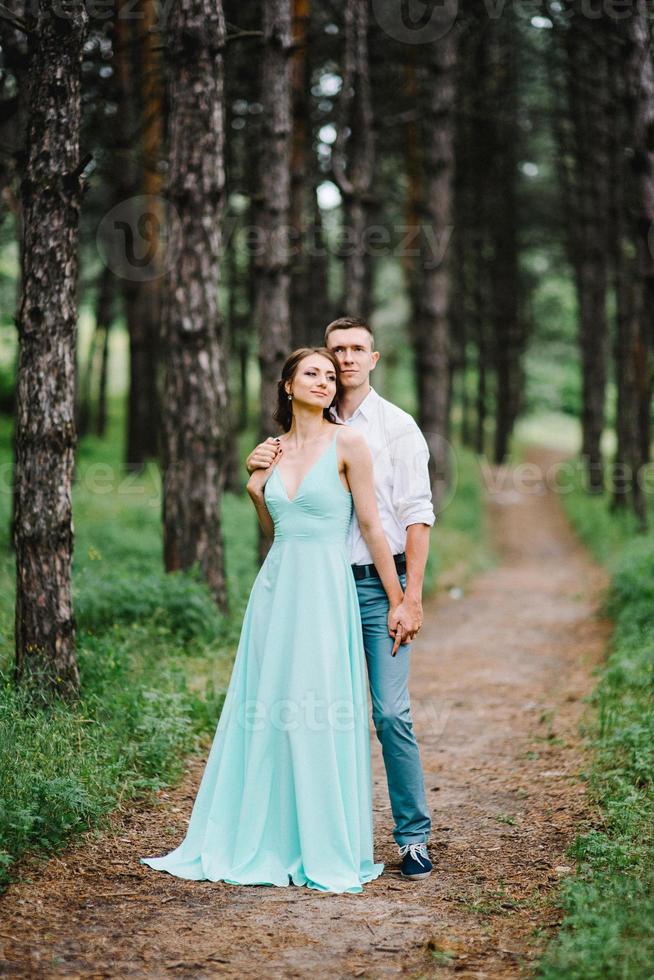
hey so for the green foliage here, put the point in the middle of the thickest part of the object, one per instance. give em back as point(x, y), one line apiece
point(153, 654)
point(604, 533)
point(460, 546)
point(178, 603)
point(608, 930)
point(552, 376)
point(63, 769)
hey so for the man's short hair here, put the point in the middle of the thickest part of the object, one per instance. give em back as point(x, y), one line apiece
point(347, 323)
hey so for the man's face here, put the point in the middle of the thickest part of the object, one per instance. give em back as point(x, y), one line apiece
point(352, 348)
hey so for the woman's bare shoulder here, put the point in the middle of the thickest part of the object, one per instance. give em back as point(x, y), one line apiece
point(351, 441)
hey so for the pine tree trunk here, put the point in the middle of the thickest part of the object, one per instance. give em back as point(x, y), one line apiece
point(586, 81)
point(481, 140)
point(415, 215)
point(47, 323)
point(623, 362)
point(105, 310)
point(504, 273)
point(431, 337)
point(273, 265)
point(233, 328)
point(311, 309)
point(15, 56)
point(639, 106)
point(145, 430)
point(195, 388)
point(354, 158)
point(301, 213)
point(413, 204)
point(643, 167)
point(132, 42)
point(320, 311)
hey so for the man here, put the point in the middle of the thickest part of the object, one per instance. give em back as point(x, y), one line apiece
point(400, 457)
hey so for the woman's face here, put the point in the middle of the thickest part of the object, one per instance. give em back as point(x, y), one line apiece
point(314, 381)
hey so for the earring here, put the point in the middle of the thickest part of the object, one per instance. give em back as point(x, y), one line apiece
point(290, 397)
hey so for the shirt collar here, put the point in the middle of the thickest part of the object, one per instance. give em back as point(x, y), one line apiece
point(366, 408)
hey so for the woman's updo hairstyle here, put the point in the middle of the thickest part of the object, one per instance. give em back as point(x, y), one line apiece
point(284, 411)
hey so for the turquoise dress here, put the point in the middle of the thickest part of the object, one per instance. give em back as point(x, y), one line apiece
point(286, 794)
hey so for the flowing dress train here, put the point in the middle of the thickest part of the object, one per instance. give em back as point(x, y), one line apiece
point(286, 794)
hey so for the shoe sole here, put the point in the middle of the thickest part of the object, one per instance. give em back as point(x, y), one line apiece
point(424, 874)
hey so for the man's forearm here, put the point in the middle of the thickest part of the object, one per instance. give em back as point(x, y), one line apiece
point(417, 551)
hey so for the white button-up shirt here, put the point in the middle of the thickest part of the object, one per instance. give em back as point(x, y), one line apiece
point(400, 457)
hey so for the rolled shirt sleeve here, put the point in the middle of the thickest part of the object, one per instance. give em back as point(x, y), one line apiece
point(411, 492)
point(400, 458)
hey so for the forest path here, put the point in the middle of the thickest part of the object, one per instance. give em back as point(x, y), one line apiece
point(498, 678)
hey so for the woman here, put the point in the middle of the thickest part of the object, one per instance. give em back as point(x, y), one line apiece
point(286, 795)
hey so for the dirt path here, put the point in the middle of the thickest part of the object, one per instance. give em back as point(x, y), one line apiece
point(497, 680)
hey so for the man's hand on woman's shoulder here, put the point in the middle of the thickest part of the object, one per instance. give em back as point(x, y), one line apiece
point(264, 455)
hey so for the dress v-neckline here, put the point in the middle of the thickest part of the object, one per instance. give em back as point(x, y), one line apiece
point(312, 467)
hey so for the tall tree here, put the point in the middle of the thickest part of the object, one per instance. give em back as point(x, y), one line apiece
point(195, 389)
point(142, 98)
point(638, 106)
point(354, 157)
point(301, 212)
point(47, 322)
point(479, 223)
point(273, 265)
point(310, 305)
point(104, 319)
point(508, 330)
point(431, 324)
point(123, 177)
point(585, 151)
point(625, 461)
point(475, 151)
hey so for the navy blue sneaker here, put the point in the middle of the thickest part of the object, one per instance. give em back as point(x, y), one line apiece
point(415, 861)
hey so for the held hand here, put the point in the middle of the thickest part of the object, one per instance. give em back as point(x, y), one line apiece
point(263, 455)
point(409, 613)
point(396, 628)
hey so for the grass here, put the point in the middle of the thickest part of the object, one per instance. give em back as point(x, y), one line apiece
point(460, 544)
point(154, 657)
point(608, 927)
point(154, 654)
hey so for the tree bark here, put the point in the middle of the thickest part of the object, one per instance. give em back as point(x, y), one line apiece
point(273, 265)
point(481, 140)
point(143, 295)
point(104, 320)
point(195, 387)
point(132, 173)
point(587, 248)
point(508, 333)
point(301, 212)
point(47, 323)
point(431, 327)
point(354, 158)
point(639, 106)
point(145, 412)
